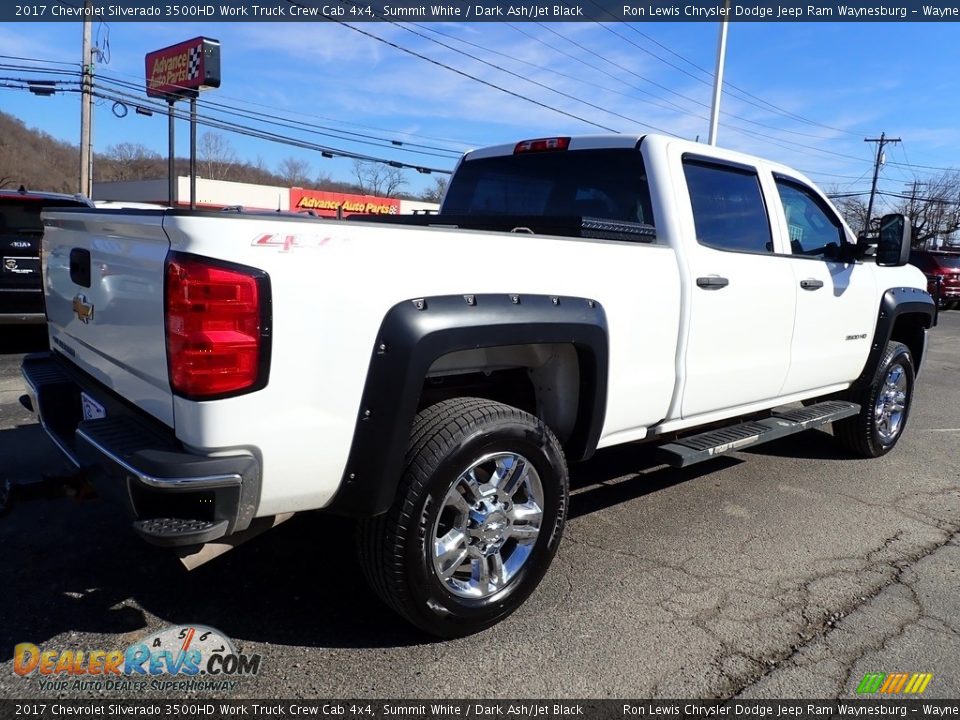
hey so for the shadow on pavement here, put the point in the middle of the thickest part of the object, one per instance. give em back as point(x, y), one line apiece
point(78, 567)
point(809, 445)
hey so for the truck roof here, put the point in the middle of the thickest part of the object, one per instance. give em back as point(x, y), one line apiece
point(630, 140)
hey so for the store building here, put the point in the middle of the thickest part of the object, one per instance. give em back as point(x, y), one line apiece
point(218, 194)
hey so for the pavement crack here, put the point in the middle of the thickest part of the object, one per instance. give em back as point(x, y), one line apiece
point(820, 628)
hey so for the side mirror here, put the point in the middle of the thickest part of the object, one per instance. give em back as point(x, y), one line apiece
point(893, 245)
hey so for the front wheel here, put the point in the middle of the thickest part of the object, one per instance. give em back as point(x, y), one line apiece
point(885, 406)
point(477, 519)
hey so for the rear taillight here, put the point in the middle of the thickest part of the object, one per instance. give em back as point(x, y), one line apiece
point(217, 327)
point(542, 145)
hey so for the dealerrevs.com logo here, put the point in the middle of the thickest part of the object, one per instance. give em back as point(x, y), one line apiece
point(179, 657)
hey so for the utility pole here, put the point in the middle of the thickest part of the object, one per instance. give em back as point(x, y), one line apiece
point(86, 103)
point(913, 210)
point(880, 141)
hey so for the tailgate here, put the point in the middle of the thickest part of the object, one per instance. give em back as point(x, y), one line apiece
point(104, 273)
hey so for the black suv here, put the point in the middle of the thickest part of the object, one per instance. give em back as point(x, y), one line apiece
point(21, 292)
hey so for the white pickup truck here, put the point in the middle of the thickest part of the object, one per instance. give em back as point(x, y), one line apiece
point(433, 376)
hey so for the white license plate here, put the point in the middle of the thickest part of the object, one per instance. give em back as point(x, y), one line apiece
point(92, 410)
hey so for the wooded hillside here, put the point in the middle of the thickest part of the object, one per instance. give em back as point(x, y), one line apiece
point(39, 161)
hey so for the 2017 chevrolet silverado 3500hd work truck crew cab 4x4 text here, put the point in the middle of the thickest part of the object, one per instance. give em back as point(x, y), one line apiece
point(434, 376)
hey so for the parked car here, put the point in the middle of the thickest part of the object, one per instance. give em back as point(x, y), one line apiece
point(21, 294)
point(942, 269)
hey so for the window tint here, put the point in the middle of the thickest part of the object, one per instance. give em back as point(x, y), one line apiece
point(814, 231)
point(609, 184)
point(728, 209)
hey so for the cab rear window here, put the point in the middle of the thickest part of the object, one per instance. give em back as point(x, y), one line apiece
point(608, 184)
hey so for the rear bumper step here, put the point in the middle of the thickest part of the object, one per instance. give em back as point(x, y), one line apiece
point(174, 496)
point(178, 532)
point(710, 444)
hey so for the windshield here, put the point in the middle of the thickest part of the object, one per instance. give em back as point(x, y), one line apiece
point(948, 261)
point(609, 184)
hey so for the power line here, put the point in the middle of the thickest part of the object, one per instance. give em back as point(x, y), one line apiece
point(537, 83)
point(123, 97)
point(413, 53)
point(308, 127)
point(618, 78)
point(772, 107)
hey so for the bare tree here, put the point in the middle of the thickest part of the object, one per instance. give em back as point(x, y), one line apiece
point(854, 211)
point(131, 161)
point(217, 156)
point(378, 179)
point(295, 171)
point(435, 192)
point(933, 207)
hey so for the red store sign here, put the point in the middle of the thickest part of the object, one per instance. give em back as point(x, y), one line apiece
point(326, 204)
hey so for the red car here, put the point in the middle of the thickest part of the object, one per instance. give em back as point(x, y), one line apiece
point(21, 294)
point(942, 269)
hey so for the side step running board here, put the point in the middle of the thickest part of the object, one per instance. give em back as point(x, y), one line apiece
point(706, 445)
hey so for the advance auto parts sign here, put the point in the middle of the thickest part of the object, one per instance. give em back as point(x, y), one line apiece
point(326, 204)
point(184, 69)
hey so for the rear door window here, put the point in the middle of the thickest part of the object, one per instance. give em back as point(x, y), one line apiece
point(728, 208)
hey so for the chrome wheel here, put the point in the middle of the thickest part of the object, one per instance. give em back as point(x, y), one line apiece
point(891, 405)
point(487, 525)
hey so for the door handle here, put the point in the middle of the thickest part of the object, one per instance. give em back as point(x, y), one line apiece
point(712, 282)
point(810, 284)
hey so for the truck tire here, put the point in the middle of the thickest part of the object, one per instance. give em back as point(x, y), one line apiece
point(477, 519)
point(885, 405)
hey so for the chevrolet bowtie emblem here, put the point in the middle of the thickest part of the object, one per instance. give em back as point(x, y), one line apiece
point(82, 308)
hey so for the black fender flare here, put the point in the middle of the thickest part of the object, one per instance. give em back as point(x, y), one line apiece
point(895, 303)
point(415, 333)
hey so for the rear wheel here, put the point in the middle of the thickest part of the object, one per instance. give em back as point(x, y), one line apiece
point(477, 519)
point(885, 406)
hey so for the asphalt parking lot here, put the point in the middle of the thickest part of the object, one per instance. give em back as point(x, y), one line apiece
point(787, 571)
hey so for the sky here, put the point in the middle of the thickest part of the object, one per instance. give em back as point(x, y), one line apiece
point(804, 94)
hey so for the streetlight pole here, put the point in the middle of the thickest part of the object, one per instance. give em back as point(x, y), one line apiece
point(718, 75)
